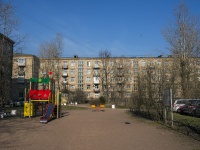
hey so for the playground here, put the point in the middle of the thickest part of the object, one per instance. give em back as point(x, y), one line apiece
point(88, 130)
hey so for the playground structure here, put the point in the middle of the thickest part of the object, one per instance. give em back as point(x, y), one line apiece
point(42, 94)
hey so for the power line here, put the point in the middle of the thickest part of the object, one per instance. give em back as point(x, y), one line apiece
point(51, 29)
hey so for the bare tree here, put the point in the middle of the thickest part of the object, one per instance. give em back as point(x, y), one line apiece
point(9, 25)
point(183, 37)
point(105, 57)
point(51, 52)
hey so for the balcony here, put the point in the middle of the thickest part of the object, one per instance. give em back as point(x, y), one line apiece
point(96, 67)
point(21, 73)
point(21, 62)
point(96, 81)
point(65, 66)
point(95, 75)
point(120, 74)
point(64, 82)
point(64, 74)
point(20, 79)
point(119, 66)
point(96, 90)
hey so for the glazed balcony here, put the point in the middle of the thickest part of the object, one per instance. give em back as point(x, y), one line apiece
point(21, 62)
point(65, 74)
point(65, 66)
point(96, 90)
point(96, 67)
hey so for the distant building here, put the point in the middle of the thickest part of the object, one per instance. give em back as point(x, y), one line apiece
point(6, 56)
point(117, 78)
point(25, 66)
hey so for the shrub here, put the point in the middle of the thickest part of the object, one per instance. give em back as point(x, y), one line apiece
point(102, 100)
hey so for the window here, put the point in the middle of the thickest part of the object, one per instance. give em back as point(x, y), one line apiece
point(128, 86)
point(135, 87)
point(128, 94)
point(80, 73)
point(144, 71)
point(135, 72)
point(135, 80)
point(128, 79)
point(111, 71)
point(88, 94)
point(72, 71)
point(128, 71)
point(159, 71)
point(159, 63)
point(167, 63)
point(135, 64)
point(64, 79)
point(72, 79)
point(72, 87)
point(104, 63)
point(21, 60)
point(88, 63)
point(88, 71)
point(112, 79)
point(73, 63)
point(21, 68)
point(96, 95)
point(143, 63)
point(80, 70)
point(151, 63)
point(128, 63)
point(111, 63)
point(88, 87)
point(88, 79)
point(80, 62)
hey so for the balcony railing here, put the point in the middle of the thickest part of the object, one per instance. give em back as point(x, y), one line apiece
point(65, 66)
point(95, 74)
point(64, 82)
point(96, 81)
point(96, 66)
point(21, 62)
point(20, 79)
point(65, 74)
point(21, 73)
point(119, 66)
point(96, 90)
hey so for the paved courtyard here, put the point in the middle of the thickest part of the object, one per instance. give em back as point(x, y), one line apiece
point(112, 129)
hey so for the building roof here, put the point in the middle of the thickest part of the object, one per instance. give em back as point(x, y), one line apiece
point(8, 39)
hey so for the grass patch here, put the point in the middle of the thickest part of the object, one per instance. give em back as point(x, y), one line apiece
point(66, 107)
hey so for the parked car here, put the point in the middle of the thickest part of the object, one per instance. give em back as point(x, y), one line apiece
point(197, 112)
point(178, 104)
point(190, 107)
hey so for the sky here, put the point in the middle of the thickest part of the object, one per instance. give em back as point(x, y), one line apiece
point(131, 28)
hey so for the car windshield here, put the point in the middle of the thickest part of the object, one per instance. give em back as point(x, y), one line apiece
point(181, 102)
point(192, 102)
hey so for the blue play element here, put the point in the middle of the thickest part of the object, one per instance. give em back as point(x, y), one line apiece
point(48, 113)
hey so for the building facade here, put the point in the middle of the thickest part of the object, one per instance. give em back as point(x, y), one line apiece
point(25, 66)
point(115, 78)
point(6, 55)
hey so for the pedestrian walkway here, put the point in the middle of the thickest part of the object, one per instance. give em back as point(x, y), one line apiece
point(112, 129)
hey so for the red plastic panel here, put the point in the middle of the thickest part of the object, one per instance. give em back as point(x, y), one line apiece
point(39, 94)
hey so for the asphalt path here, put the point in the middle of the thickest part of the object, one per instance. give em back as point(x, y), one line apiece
point(107, 129)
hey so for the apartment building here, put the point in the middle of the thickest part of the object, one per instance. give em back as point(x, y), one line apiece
point(6, 55)
point(117, 78)
point(25, 66)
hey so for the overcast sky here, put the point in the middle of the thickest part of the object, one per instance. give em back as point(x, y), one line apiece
point(124, 27)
